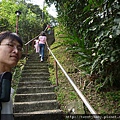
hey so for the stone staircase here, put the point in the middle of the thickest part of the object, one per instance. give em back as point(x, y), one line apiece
point(35, 96)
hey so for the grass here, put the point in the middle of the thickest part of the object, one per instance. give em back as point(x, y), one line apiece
point(104, 102)
point(65, 92)
point(17, 75)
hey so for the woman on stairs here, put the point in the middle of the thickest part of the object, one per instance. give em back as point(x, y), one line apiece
point(10, 53)
point(42, 42)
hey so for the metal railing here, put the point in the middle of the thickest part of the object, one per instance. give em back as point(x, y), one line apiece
point(81, 96)
point(85, 101)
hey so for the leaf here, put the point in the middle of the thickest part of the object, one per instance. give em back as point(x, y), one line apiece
point(112, 59)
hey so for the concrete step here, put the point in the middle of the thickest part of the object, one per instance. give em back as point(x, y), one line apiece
point(41, 115)
point(39, 64)
point(36, 61)
point(35, 74)
point(34, 84)
point(36, 70)
point(21, 107)
point(24, 90)
point(36, 56)
point(36, 78)
point(32, 63)
point(35, 66)
point(57, 111)
point(35, 97)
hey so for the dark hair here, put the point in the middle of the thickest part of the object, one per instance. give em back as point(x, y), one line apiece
point(42, 33)
point(11, 36)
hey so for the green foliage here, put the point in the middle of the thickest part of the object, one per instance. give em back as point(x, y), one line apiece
point(113, 96)
point(17, 74)
point(60, 97)
point(92, 35)
point(78, 50)
point(73, 96)
point(30, 22)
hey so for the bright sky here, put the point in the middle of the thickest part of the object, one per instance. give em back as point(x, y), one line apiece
point(51, 10)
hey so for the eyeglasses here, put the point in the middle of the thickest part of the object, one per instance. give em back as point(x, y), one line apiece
point(19, 48)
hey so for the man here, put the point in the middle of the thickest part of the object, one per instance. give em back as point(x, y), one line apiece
point(10, 53)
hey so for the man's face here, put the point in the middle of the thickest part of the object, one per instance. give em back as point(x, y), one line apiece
point(10, 53)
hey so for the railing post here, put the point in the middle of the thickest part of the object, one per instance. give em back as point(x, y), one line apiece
point(56, 72)
point(48, 59)
point(26, 50)
point(33, 44)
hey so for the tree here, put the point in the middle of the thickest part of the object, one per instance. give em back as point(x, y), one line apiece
point(30, 21)
point(92, 29)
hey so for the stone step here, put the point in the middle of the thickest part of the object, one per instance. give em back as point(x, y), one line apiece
point(35, 97)
point(37, 79)
point(35, 66)
point(37, 60)
point(41, 115)
point(34, 84)
point(34, 62)
point(57, 111)
point(35, 74)
point(24, 90)
point(36, 57)
point(35, 70)
point(35, 106)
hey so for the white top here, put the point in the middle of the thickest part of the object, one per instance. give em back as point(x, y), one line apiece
point(7, 107)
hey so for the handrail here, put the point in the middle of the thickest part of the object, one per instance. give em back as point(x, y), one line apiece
point(26, 44)
point(90, 108)
point(31, 40)
point(35, 37)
